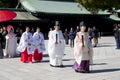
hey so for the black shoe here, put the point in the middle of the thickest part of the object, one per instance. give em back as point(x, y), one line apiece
point(82, 72)
point(79, 71)
point(61, 66)
point(95, 46)
point(76, 71)
point(52, 65)
point(117, 48)
point(87, 72)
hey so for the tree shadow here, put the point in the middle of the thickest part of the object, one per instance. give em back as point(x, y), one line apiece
point(105, 70)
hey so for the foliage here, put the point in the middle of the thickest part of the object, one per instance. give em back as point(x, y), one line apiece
point(95, 5)
point(8, 3)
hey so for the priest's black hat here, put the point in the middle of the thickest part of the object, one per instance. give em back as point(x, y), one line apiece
point(82, 23)
point(57, 23)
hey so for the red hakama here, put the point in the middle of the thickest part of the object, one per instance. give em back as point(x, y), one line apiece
point(25, 57)
point(37, 56)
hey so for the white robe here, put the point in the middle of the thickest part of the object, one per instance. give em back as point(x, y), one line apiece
point(56, 51)
point(11, 45)
point(24, 41)
point(39, 42)
point(82, 53)
point(49, 34)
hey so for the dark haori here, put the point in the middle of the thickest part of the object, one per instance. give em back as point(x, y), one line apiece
point(66, 36)
point(71, 37)
point(117, 35)
point(1, 50)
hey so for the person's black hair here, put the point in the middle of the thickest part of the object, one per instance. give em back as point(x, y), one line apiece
point(27, 27)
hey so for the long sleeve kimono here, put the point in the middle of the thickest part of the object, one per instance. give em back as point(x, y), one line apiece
point(11, 45)
point(83, 52)
point(56, 51)
point(26, 47)
point(39, 47)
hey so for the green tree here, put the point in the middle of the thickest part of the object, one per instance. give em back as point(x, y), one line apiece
point(95, 5)
point(8, 3)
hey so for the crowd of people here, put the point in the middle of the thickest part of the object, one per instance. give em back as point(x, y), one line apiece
point(31, 45)
point(70, 35)
point(21, 42)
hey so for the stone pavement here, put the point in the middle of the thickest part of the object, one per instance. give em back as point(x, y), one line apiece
point(106, 66)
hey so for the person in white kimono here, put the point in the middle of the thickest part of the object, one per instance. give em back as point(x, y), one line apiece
point(49, 32)
point(39, 45)
point(11, 42)
point(82, 51)
point(26, 46)
point(56, 46)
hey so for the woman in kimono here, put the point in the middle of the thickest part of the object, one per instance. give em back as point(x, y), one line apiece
point(39, 45)
point(56, 45)
point(26, 46)
point(82, 51)
point(11, 42)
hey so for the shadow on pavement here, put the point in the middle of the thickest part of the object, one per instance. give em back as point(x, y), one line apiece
point(67, 59)
point(98, 64)
point(43, 61)
point(65, 66)
point(45, 55)
point(105, 46)
point(105, 70)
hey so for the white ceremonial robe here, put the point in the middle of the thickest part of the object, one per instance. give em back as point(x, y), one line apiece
point(49, 34)
point(11, 45)
point(39, 42)
point(56, 51)
point(24, 41)
point(83, 53)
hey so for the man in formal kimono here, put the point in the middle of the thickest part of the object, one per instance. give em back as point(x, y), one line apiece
point(26, 46)
point(82, 51)
point(66, 36)
point(56, 45)
point(39, 45)
point(11, 42)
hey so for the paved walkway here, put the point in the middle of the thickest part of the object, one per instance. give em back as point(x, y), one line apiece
point(106, 66)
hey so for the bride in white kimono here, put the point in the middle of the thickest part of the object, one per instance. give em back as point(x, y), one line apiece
point(56, 46)
point(11, 42)
point(82, 51)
